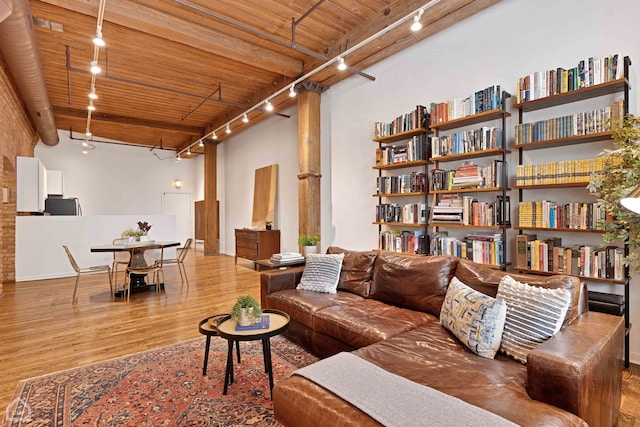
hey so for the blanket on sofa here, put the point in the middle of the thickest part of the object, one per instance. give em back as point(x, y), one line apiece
point(391, 399)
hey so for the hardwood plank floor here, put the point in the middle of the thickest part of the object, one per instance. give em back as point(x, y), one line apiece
point(42, 332)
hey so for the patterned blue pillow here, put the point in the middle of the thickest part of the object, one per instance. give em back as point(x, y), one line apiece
point(476, 319)
point(321, 273)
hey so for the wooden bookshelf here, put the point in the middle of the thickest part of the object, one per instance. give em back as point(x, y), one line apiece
point(397, 224)
point(564, 230)
point(580, 139)
point(470, 120)
point(469, 190)
point(400, 136)
point(561, 185)
point(470, 155)
point(590, 278)
point(401, 165)
point(422, 193)
point(456, 225)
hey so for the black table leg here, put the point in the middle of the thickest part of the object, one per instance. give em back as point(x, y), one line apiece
point(228, 376)
point(206, 356)
point(238, 350)
point(266, 349)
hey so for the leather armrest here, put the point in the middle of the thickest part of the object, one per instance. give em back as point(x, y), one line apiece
point(278, 280)
point(580, 369)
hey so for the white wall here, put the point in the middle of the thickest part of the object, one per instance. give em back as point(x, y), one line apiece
point(273, 141)
point(117, 179)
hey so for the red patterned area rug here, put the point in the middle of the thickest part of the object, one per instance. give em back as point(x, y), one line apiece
point(161, 387)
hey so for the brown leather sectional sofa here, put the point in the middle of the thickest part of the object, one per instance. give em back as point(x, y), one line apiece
point(386, 311)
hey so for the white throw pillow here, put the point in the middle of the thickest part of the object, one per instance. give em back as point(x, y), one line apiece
point(321, 273)
point(534, 315)
point(476, 319)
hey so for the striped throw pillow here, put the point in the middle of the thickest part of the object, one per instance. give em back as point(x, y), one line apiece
point(534, 315)
point(321, 273)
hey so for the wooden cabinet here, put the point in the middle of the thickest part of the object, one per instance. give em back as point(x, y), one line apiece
point(256, 244)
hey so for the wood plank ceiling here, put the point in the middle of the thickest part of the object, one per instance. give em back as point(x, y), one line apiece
point(173, 70)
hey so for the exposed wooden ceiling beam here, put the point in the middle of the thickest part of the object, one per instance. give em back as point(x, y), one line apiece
point(132, 15)
point(115, 118)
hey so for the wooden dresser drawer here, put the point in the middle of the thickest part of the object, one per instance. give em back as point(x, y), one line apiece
point(256, 244)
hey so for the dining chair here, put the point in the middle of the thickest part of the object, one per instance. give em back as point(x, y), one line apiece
point(120, 258)
point(145, 261)
point(86, 270)
point(179, 259)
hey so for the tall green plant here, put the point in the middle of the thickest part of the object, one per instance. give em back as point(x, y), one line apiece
point(619, 176)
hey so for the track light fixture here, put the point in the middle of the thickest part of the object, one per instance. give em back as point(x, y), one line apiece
point(95, 69)
point(179, 158)
point(88, 132)
point(189, 151)
point(91, 107)
point(92, 93)
point(417, 25)
point(414, 16)
point(201, 143)
point(341, 65)
point(97, 40)
point(245, 119)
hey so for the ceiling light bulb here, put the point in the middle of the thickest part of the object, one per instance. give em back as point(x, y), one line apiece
point(97, 40)
point(95, 69)
point(214, 136)
point(84, 144)
point(92, 93)
point(91, 107)
point(417, 26)
point(292, 92)
point(245, 119)
point(228, 129)
point(88, 133)
point(179, 158)
point(201, 144)
point(341, 65)
point(188, 151)
point(268, 106)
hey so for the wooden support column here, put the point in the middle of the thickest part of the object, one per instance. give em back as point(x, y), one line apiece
point(309, 94)
point(212, 222)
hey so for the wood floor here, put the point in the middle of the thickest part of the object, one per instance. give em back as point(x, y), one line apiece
point(42, 332)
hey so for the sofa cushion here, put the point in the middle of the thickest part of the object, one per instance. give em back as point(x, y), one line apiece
point(321, 273)
point(415, 282)
point(302, 305)
point(432, 356)
point(534, 315)
point(486, 280)
point(476, 319)
point(357, 270)
point(367, 321)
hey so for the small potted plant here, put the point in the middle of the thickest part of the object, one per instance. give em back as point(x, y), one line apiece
point(309, 243)
point(144, 228)
point(268, 224)
point(131, 234)
point(246, 311)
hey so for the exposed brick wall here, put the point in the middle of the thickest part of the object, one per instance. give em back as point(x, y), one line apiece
point(17, 138)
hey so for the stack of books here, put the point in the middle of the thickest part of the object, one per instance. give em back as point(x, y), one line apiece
point(448, 209)
point(286, 258)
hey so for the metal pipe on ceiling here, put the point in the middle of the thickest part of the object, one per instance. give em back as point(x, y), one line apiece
point(290, 44)
point(19, 47)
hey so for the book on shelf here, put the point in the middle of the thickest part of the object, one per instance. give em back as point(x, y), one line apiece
point(263, 323)
point(467, 141)
point(415, 182)
point(416, 119)
point(414, 149)
point(286, 258)
point(577, 124)
point(586, 73)
point(480, 101)
point(413, 242)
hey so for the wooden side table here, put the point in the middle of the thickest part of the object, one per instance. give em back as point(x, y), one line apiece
point(209, 328)
point(278, 323)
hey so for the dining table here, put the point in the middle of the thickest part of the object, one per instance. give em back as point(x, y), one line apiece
point(137, 248)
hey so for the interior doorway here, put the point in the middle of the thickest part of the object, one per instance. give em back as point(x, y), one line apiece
point(179, 204)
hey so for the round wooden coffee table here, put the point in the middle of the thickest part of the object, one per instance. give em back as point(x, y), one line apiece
point(278, 323)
